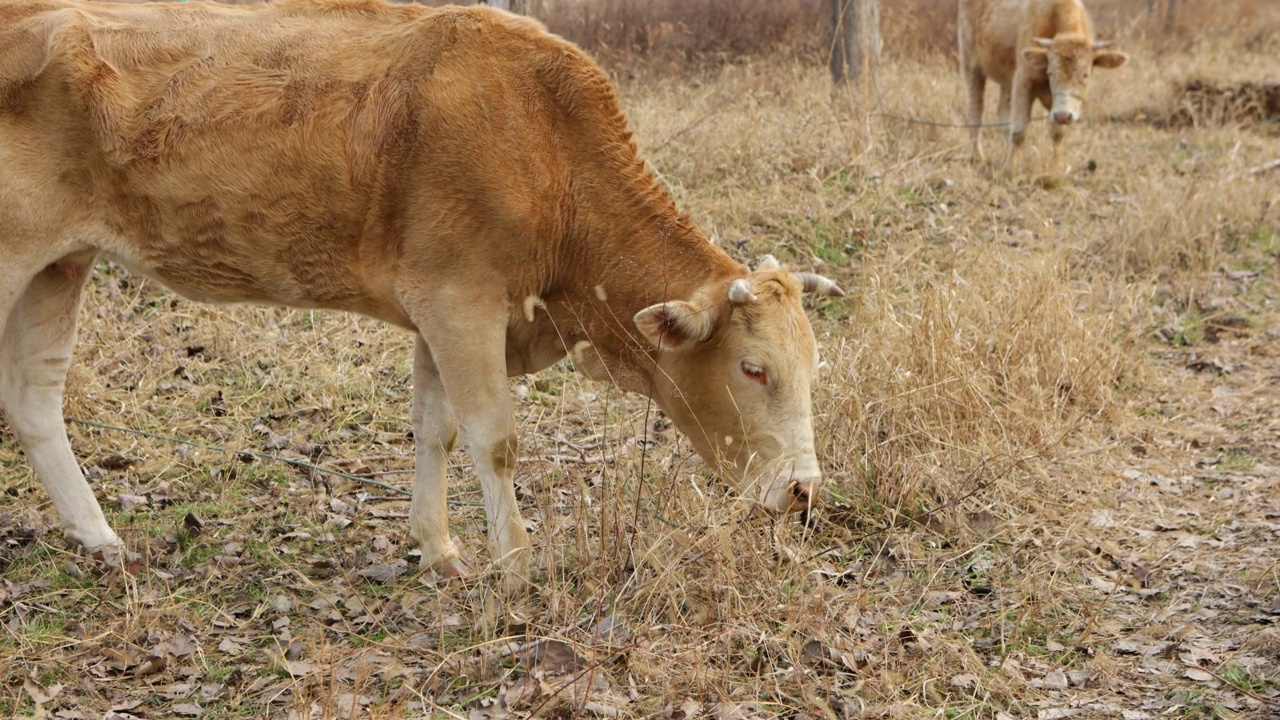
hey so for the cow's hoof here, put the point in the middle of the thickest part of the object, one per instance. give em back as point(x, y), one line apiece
point(1050, 181)
point(448, 568)
point(456, 568)
point(446, 565)
point(112, 552)
point(94, 541)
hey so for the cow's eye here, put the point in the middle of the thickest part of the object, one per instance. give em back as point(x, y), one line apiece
point(754, 372)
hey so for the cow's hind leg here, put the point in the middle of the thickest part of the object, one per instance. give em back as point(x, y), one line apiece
point(466, 330)
point(435, 430)
point(35, 354)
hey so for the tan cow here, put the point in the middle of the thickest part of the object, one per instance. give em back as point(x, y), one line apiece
point(457, 172)
point(1034, 50)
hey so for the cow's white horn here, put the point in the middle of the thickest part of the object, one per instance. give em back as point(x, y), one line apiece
point(1043, 42)
point(1101, 44)
point(815, 283)
point(740, 292)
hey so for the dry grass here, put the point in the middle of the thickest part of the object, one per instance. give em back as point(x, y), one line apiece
point(680, 35)
point(1009, 358)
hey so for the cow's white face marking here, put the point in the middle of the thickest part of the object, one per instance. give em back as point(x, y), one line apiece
point(1068, 61)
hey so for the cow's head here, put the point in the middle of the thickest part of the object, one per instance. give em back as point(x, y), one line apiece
point(734, 370)
point(1069, 60)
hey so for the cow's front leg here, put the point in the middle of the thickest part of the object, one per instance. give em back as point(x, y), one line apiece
point(35, 353)
point(1002, 111)
point(1020, 115)
point(434, 432)
point(976, 86)
point(466, 333)
point(1058, 132)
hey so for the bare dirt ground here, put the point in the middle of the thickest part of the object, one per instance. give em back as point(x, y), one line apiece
point(1048, 412)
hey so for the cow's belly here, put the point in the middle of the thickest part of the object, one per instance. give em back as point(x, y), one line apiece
point(228, 257)
point(253, 232)
point(215, 260)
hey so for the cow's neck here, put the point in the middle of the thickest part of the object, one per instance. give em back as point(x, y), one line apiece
point(636, 253)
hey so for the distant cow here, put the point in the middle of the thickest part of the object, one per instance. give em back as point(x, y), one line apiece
point(457, 172)
point(1034, 50)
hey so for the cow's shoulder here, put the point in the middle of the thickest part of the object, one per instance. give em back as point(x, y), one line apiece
point(27, 34)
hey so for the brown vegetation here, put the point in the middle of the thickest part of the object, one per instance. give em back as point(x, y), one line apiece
point(681, 34)
point(1047, 409)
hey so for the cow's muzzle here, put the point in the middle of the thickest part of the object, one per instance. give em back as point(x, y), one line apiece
point(804, 495)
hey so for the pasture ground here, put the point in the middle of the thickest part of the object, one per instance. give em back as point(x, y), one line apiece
point(1048, 411)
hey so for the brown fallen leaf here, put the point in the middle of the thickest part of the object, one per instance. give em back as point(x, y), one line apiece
point(813, 653)
point(935, 598)
point(966, 682)
point(129, 502)
point(299, 668)
point(294, 650)
point(1056, 680)
point(177, 646)
point(384, 572)
point(116, 461)
point(610, 631)
point(40, 695)
point(688, 710)
point(151, 666)
point(230, 646)
point(982, 522)
point(552, 657)
point(348, 704)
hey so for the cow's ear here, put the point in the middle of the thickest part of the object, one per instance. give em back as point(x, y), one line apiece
point(1036, 58)
point(1109, 59)
point(674, 325)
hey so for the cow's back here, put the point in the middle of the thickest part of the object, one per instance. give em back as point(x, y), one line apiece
point(1050, 18)
point(273, 152)
point(989, 32)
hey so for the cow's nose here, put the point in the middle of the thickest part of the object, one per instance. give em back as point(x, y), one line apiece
point(1063, 117)
point(804, 495)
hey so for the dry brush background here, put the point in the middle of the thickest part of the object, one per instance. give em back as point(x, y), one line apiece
point(1048, 411)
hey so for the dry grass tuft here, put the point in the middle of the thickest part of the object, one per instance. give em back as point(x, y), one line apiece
point(992, 365)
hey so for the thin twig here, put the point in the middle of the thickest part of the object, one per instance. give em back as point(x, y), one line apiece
point(706, 116)
point(1274, 164)
point(1268, 702)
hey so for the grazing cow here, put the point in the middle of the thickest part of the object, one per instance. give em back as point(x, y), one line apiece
point(457, 172)
point(1034, 50)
